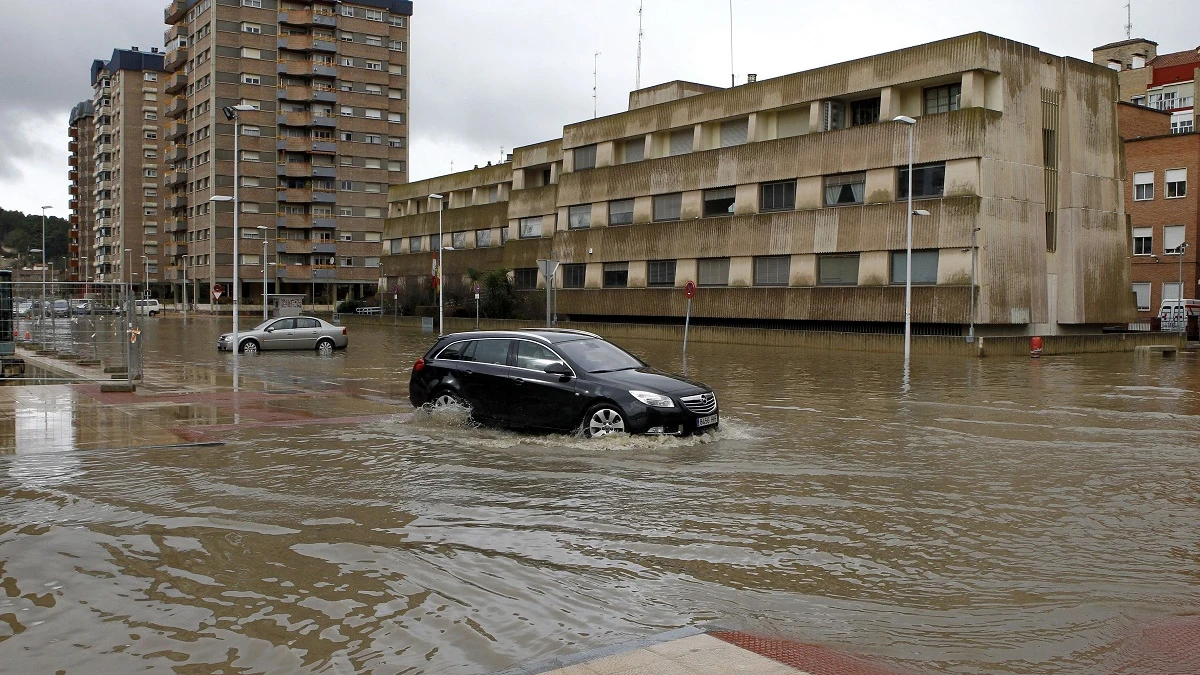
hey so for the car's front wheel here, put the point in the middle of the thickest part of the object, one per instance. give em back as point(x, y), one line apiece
point(250, 347)
point(603, 419)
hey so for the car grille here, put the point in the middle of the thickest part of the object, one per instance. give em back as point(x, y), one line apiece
point(701, 404)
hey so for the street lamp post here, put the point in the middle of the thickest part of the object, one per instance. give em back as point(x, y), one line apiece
point(971, 290)
point(903, 119)
point(185, 288)
point(1182, 311)
point(262, 230)
point(145, 277)
point(232, 113)
point(129, 315)
point(44, 258)
point(441, 294)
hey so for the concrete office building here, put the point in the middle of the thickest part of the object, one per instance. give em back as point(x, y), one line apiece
point(128, 106)
point(326, 134)
point(785, 199)
point(1162, 156)
point(81, 177)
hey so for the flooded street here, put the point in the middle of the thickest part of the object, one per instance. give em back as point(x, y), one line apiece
point(1005, 516)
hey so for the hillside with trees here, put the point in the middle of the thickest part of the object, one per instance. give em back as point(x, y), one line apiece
point(20, 232)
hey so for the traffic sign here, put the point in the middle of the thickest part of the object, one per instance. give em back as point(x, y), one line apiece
point(217, 290)
point(477, 288)
point(689, 289)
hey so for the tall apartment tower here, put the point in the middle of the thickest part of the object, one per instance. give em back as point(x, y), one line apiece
point(128, 105)
point(81, 163)
point(323, 132)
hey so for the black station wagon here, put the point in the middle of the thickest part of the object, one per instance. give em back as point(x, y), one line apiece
point(559, 380)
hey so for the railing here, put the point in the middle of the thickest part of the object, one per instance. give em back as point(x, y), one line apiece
point(1172, 103)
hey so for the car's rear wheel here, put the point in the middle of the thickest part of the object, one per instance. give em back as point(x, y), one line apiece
point(250, 347)
point(444, 398)
point(603, 419)
point(325, 347)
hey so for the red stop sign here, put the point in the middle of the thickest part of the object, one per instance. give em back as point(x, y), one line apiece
point(689, 289)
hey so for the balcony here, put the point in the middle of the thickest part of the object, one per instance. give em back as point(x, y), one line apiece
point(324, 223)
point(105, 147)
point(175, 58)
point(324, 272)
point(175, 248)
point(295, 169)
point(177, 202)
point(176, 224)
point(73, 203)
point(73, 190)
point(325, 246)
point(1178, 103)
point(309, 17)
point(175, 12)
point(300, 68)
point(324, 171)
point(175, 178)
point(176, 107)
point(298, 43)
point(295, 272)
point(176, 129)
point(295, 93)
point(174, 33)
point(72, 145)
point(73, 161)
point(294, 144)
point(296, 246)
point(176, 154)
point(176, 82)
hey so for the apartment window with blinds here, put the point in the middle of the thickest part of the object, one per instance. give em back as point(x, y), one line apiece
point(459, 240)
point(660, 273)
point(1143, 241)
point(483, 238)
point(667, 207)
point(585, 157)
point(779, 196)
point(942, 99)
point(574, 275)
point(530, 227)
point(924, 267)
point(634, 149)
point(772, 270)
point(929, 180)
point(712, 272)
point(525, 278)
point(848, 188)
point(1143, 186)
point(620, 212)
point(681, 141)
point(1141, 292)
point(616, 275)
point(719, 202)
point(734, 132)
point(1176, 183)
point(579, 217)
point(837, 270)
point(1173, 239)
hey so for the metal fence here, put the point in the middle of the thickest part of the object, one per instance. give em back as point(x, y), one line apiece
point(91, 323)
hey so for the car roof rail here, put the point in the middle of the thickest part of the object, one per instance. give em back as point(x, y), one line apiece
point(565, 331)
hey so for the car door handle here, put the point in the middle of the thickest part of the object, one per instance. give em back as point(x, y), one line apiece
point(519, 380)
point(468, 372)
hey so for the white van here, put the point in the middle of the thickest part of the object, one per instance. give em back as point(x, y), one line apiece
point(147, 307)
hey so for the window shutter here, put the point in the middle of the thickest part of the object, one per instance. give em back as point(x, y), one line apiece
point(681, 141)
point(734, 132)
point(1172, 237)
point(1175, 175)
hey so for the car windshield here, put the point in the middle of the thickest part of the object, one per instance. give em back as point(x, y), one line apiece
point(264, 324)
point(598, 356)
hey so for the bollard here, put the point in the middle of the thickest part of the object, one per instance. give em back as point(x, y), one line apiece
point(1035, 346)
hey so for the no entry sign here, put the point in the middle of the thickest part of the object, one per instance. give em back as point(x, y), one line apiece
point(689, 289)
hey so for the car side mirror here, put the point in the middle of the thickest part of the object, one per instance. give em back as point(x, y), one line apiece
point(269, 329)
point(559, 369)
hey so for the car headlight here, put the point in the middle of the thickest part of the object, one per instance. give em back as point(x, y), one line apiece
point(653, 400)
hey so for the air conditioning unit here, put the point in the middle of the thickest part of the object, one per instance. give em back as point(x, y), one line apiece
point(834, 113)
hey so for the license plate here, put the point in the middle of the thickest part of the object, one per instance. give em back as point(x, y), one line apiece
point(706, 421)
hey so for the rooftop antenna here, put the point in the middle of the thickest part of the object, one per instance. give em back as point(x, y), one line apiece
point(1128, 19)
point(451, 166)
point(595, 80)
point(732, 76)
point(637, 82)
point(502, 154)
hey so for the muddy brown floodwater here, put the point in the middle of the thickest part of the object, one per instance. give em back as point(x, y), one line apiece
point(1005, 516)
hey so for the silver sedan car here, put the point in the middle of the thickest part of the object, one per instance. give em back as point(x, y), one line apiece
point(293, 332)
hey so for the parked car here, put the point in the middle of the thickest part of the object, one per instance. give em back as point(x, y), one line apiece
point(293, 332)
point(61, 308)
point(149, 307)
point(559, 380)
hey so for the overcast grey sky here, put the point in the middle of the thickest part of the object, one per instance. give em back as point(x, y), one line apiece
point(487, 75)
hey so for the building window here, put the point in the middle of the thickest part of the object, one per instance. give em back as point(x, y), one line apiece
point(374, 65)
point(772, 270)
point(250, 53)
point(865, 111)
point(1182, 123)
point(150, 76)
point(503, 236)
point(396, 20)
point(779, 196)
point(347, 10)
point(395, 141)
point(414, 245)
point(251, 131)
point(459, 240)
point(574, 275)
point(620, 212)
point(525, 278)
point(1143, 186)
point(374, 15)
point(1170, 291)
point(373, 40)
point(1173, 239)
point(483, 238)
point(734, 132)
point(660, 273)
point(712, 272)
point(248, 27)
point(616, 275)
point(252, 3)
point(346, 61)
point(942, 99)
point(396, 45)
point(847, 188)
point(924, 267)
point(396, 117)
point(1141, 292)
point(531, 228)
point(634, 149)
point(1176, 180)
point(681, 141)
point(837, 270)
point(435, 242)
point(373, 139)
point(1143, 241)
point(579, 217)
point(719, 202)
point(929, 180)
point(251, 79)
point(249, 156)
point(373, 114)
point(667, 207)
point(585, 157)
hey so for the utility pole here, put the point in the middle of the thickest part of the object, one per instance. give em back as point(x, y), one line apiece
point(595, 81)
point(1128, 19)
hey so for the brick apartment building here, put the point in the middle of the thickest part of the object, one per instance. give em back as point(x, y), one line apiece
point(1162, 157)
point(81, 163)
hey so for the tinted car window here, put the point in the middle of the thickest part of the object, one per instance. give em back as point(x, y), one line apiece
point(454, 352)
point(489, 351)
point(534, 356)
point(284, 324)
point(597, 356)
point(307, 323)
